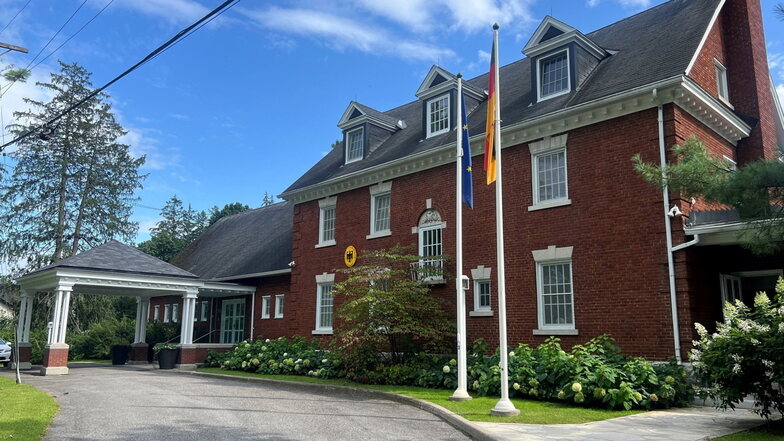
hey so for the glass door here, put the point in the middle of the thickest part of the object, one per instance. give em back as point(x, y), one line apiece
point(233, 320)
point(730, 289)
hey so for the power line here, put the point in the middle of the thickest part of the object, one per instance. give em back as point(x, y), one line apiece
point(14, 17)
point(74, 34)
point(179, 36)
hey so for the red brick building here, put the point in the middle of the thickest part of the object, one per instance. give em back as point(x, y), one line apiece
point(586, 239)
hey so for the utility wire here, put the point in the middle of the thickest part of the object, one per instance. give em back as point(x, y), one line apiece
point(74, 34)
point(180, 35)
point(14, 17)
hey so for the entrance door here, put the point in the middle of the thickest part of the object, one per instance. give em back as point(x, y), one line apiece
point(233, 321)
point(730, 289)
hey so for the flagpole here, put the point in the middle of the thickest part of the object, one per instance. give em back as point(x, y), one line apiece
point(504, 407)
point(461, 393)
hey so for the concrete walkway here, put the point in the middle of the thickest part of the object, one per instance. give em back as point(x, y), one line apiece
point(692, 424)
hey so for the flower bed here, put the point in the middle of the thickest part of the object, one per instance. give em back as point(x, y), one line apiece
point(595, 374)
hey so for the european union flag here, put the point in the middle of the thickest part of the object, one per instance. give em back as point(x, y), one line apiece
point(467, 175)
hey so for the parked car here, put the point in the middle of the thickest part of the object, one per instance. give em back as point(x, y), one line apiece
point(5, 352)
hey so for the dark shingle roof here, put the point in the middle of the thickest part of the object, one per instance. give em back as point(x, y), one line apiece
point(653, 45)
point(369, 111)
point(252, 242)
point(117, 257)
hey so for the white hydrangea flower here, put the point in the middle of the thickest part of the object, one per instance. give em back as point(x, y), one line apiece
point(736, 368)
point(701, 331)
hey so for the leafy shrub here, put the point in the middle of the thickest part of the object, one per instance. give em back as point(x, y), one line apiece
point(744, 357)
point(280, 356)
point(97, 342)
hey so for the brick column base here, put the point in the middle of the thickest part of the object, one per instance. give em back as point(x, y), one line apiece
point(25, 354)
point(55, 359)
point(139, 353)
point(187, 357)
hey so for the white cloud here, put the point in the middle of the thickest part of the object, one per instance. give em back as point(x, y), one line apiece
point(342, 33)
point(173, 11)
point(143, 142)
point(13, 99)
point(624, 3)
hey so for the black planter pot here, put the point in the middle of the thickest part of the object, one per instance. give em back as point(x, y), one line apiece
point(167, 358)
point(120, 354)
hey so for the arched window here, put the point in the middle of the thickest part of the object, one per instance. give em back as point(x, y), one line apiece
point(431, 245)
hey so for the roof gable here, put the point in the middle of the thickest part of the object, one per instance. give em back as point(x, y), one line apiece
point(438, 80)
point(553, 33)
point(357, 113)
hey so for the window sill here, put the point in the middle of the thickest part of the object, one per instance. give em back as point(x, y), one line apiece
point(480, 313)
point(726, 102)
point(321, 332)
point(378, 234)
point(265, 318)
point(556, 332)
point(550, 204)
point(329, 243)
point(278, 316)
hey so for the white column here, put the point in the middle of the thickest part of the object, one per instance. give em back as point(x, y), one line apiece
point(188, 308)
point(25, 335)
point(66, 299)
point(145, 317)
point(55, 329)
point(22, 317)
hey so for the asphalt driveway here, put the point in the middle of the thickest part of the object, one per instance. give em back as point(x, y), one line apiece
point(103, 402)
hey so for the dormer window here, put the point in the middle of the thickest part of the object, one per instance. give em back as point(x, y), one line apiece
point(553, 75)
point(355, 148)
point(438, 116)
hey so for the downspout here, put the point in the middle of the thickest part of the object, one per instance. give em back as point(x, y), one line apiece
point(668, 231)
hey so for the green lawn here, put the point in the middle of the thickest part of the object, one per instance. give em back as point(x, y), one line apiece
point(772, 432)
point(478, 409)
point(91, 360)
point(26, 411)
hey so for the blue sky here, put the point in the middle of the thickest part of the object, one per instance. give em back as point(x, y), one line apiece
point(250, 102)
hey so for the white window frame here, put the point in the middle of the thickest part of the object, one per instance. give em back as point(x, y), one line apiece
point(568, 89)
point(552, 256)
point(156, 313)
point(279, 304)
point(478, 295)
point(376, 192)
point(167, 313)
point(196, 311)
point(722, 86)
point(175, 313)
point(205, 305)
point(322, 281)
point(265, 307)
point(481, 274)
point(361, 131)
point(429, 114)
point(325, 205)
point(546, 146)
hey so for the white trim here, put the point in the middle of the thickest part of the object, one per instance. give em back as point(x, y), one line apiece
point(481, 313)
point(385, 233)
point(477, 306)
point(347, 122)
point(548, 22)
point(552, 253)
point(325, 278)
point(539, 97)
point(326, 204)
point(550, 204)
point(704, 37)
point(253, 275)
point(361, 130)
point(540, 291)
point(550, 331)
point(723, 93)
point(265, 307)
point(224, 332)
point(381, 187)
point(677, 89)
point(481, 272)
point(319, 294)
point(377, 191)
point(429, 115)
point(535, 47)
point(280, 302)
point(424, 91)
point(321, 332)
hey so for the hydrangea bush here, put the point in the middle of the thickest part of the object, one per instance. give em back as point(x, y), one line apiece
point(595, 374)
point(745, 356)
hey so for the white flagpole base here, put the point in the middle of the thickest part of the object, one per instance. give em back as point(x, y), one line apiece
point(460, 395)
point(504, 407)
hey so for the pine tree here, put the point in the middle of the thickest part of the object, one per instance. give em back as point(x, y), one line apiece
point(267, 200)
point(72, 190)
point(178, 227)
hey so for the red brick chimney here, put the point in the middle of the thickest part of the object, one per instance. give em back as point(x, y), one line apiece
point(748, 77)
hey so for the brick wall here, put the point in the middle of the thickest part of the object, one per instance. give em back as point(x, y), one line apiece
point(273, 327)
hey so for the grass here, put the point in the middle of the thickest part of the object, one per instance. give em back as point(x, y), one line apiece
point(26, 411)
point(769, 432)
point(91, 360)
point(478, 409)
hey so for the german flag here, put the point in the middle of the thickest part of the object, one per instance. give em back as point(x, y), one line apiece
point(492, 102)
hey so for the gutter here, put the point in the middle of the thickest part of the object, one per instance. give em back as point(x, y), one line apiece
point(252, 275)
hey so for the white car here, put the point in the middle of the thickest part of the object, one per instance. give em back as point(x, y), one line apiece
point(5, 352)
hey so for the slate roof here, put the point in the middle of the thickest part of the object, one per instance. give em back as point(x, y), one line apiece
point(252, 242)
point(369, 111)
point(653, 45)
point(117, 257)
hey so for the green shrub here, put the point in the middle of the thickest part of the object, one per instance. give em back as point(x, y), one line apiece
point(745, 356)
point(97, 342)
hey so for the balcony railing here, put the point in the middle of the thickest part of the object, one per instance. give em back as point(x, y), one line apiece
point(428, 271)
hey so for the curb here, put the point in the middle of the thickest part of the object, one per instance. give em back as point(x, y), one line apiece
point(451, 418)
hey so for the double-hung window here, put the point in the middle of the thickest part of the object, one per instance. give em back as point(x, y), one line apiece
point(204, 307)
point(380, 210)
point(324, 309)
point(265, 307)
point(166, 313)
point(482, 295)
point(327, 211)
point(438, 116)
point(553, 75)
point(721, 81)
point(549, 172)
point(279, 299)
point(431, 246)
point(355, 148)
point(555, 290)
point(156, 313)
point(175, 312)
